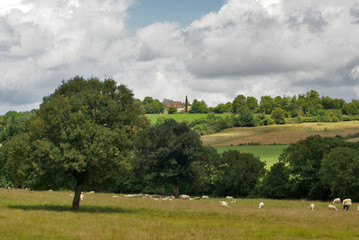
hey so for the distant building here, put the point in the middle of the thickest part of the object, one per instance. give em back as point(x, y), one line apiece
point(180, 106)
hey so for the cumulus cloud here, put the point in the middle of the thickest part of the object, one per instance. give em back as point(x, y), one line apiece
point(250, 47)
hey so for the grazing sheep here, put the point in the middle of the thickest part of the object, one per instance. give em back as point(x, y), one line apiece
point(261, 205)
point(91, 192)
point(183, 196)
point(312, 206)
point(332, 207)
point(114, 196)
point(224, 204)
point(346, 205)
point(345, 201)
point(337, 200)
point(229, 197)
point(205, 197)
point(197, 198)
point(82, 197)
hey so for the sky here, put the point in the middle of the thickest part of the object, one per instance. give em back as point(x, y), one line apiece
point(211, 50)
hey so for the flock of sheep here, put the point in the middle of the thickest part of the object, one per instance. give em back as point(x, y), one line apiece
point(346, 202)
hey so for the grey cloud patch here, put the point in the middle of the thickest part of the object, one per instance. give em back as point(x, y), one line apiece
point(354, 12)
point(313, 18)
point(8, 37)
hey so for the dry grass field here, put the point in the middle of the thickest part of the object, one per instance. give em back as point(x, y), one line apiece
point(46, 215)
point(279, 134)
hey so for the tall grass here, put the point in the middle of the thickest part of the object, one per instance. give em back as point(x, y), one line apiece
point(46, 215)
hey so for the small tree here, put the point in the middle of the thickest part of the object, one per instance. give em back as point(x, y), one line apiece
point(278, 116)
point(165, 154)
point(81, 136)
point(172, 110)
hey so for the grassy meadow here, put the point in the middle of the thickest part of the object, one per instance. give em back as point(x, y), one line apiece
point(46, 215)
point(267, 153)
point(182, 117)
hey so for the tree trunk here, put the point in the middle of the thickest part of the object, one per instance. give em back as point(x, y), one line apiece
point(175, 189)
point(76, 201)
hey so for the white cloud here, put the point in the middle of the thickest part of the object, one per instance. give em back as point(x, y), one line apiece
point(250, 47)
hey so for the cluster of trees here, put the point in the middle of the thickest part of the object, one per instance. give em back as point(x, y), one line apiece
point(310, 105)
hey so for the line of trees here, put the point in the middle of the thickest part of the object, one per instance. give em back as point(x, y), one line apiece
point(92, 135)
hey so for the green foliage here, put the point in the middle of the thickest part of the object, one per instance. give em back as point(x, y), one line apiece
point(172, 110)
point(165, 154)
point(238, 173)
point(211, 124)
point(267, 104)
point(198, 107)
point(152, 106)
point(82, 135)
point(278, 116)
point(239, 103)
point(276, 182)
point(304, 160)
point(339, 171)
point(246, 118)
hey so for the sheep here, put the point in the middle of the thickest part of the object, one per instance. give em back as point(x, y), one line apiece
point(261, 205)
point(229, 197)
point(114, 196)
point(183, 196)
point(205, 197)
point(358, 208)
point(82, 197)
point(224, 204)
point(346, 205)
point(91, 192)
point(234, 200)
point(346, 201)
point(312, 206)
point(337, 200)
point(332, 207)
point(197, 198)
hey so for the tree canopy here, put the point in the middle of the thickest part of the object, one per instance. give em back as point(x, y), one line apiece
point(81, 136)
point(165, 154)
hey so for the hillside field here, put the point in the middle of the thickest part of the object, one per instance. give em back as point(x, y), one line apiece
point(279, 134)
point(45, 215)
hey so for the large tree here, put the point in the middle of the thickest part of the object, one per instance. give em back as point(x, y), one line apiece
point(81, 136)
point(165, 154)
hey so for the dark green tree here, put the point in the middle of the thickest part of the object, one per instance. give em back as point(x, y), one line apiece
point(198, 107)
point(267, 104)
point(165, 154)
point(278, 116)
point(304, 159)
point(238, 173)
point(276, 182)
point(186, 104)
point(339, 171)
point(82, 136)
point(238, 104)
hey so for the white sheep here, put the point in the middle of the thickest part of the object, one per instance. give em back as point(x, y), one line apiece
point(337, 200)
point(345, 201)
point(183, 196)
point(82, 197)
point(224, 204)
point(229, 197)
point(358, 208)
point(261, 205)
point(346, 205)
point(332, 207)
point(205, 197)
point(312, 206)
point(91, 192)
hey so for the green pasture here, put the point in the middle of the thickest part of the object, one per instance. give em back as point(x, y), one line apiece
point(182, 117)
point(46, 215)
point(266, 153)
